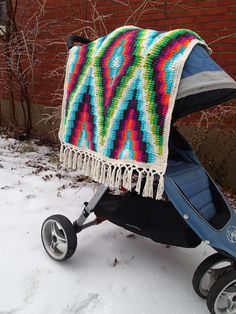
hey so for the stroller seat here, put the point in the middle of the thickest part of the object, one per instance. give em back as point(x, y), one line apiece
point(194, 183)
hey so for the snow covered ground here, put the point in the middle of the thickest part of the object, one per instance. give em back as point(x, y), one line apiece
point(147, 278)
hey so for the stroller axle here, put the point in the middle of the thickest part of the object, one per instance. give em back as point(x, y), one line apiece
point(94, 222)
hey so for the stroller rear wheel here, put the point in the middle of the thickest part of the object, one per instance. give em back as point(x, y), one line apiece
point(209, 271)
point(58, 237)
point(222, 295)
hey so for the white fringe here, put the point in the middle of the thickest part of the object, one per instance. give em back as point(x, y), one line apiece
point(148, 187)
point(88, 166)
point(97, 166)
point(108, 176)
point(118, 178)
point(65, 158)
point(61, 153)
point(139, 182)
point(75, 158)
point(70, 159)
point(160, 188)
point(113, 175)
point(84, 164)
point(103, 174)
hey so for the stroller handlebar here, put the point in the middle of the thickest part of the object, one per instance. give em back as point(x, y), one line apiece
point(74, 40)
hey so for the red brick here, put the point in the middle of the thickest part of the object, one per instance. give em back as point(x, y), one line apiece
point(219, 26)
point(208, 11)
point(227, 2)
point(184, 21)
point(232, 9)
point(224, 47)
point(176, 13)
point(228, 55)
point(228, 40)
point(208, 3)
point(154, 16)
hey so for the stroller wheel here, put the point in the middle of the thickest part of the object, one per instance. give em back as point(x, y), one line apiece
point(222, 295)
point(58, 237)
point(208, 271)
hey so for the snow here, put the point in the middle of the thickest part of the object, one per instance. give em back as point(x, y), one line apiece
point(111, 272)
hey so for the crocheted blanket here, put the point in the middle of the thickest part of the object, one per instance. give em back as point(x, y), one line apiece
point(119, 96)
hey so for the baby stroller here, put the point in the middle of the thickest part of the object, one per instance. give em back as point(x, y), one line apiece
point(193, 208)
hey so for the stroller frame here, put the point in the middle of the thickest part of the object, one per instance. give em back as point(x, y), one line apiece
point(198, 208)
point(79, 224)
point(215, 229)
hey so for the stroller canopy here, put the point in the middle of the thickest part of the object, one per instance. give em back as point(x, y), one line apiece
point(203, 84)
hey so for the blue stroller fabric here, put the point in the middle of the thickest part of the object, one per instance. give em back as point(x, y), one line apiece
point(201, 74)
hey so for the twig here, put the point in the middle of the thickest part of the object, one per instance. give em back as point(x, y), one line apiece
point(221, 38)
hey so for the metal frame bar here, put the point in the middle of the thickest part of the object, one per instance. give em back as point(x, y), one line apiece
point(79, 223)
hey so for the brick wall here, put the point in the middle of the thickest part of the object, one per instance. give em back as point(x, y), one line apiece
point(214, 20)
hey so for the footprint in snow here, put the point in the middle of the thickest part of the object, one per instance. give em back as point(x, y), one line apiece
point(92, 304)
point(30, 196)
point(10, 312)
point(32, 284)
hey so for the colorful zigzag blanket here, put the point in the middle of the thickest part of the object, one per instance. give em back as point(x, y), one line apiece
point(119, 95)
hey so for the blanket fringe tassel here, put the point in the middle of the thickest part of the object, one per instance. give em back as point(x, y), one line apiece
point(112, 175)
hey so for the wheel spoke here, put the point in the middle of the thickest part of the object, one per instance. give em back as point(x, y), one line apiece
point(61, 239)
point(225, 269)
point(207, 281)
point(212, 278)
point(228, 295)
point(227, 298)
point(58, 236)
point(53, 228)
point(231, 306)
point(215, 273)
point(53, 246)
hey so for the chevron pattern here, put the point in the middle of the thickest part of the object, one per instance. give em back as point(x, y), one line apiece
point(120, 92)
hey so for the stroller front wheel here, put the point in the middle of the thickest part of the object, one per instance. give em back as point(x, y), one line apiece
point(208, 271)
point(58, 237)
point(222, 295)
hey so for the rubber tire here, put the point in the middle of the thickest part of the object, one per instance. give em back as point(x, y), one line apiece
point(218, 286)
point(203, 268)
point(70, 234)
